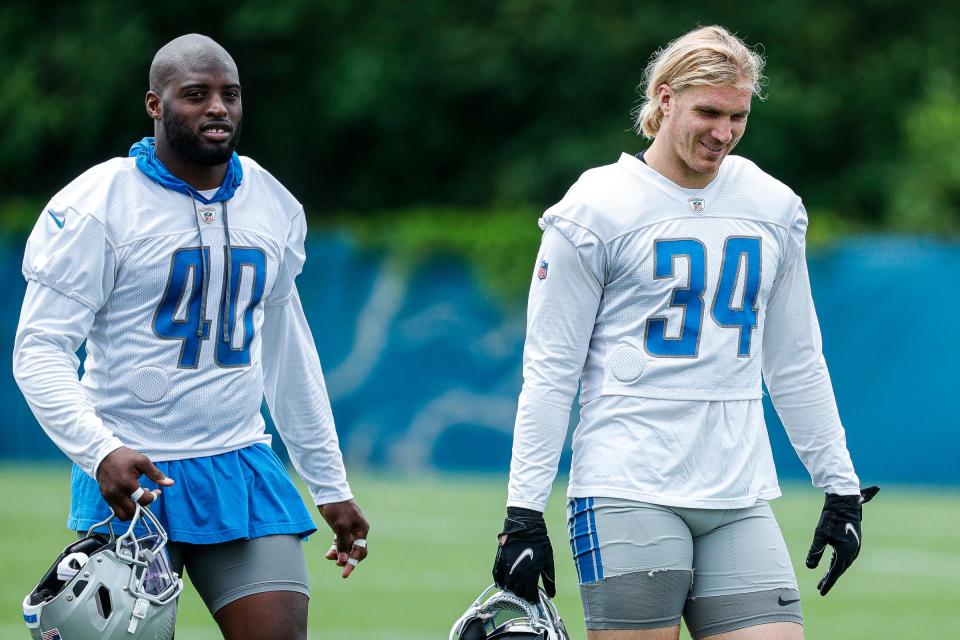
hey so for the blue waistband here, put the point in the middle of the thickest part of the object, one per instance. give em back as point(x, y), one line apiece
point(235, 495)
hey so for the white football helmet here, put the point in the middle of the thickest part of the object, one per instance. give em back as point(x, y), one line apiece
point(108, 587)
point(505, 616)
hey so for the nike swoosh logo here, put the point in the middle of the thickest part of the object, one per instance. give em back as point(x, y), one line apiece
point(849, 529)
point(784, 603)
point(527, 553)
point(59, 220)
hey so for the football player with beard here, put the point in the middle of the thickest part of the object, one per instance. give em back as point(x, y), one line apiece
point(177, 266)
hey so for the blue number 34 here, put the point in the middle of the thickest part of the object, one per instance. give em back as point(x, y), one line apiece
point(737, 250)
point(180, 314)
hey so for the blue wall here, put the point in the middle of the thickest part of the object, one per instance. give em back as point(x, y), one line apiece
point(424, 368)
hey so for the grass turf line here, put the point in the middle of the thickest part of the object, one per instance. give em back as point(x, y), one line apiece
point(433, 539)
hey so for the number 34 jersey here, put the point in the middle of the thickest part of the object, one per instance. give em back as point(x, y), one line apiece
point(173, 365)
point(667, 303)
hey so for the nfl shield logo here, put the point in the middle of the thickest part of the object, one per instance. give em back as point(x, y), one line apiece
point(542, 271)
point(207, 214)
point(697, 204)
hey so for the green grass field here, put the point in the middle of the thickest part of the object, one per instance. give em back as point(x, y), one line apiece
point(432, 544)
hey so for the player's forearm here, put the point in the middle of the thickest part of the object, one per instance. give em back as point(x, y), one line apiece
point(807, 407)
point(306, 425)
point(296, 394)
point(551, 369)
point(47, 376)
point(538, 437)
point(323, 472)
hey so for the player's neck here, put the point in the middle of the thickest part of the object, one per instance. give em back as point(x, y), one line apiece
point(200, 177)
point(662, 159)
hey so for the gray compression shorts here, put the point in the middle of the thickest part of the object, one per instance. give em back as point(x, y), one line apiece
point(228, 571)
point(643, 566)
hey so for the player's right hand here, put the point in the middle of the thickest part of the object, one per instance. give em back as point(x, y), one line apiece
point(839, 527)
point(524, 555)
point(119, 478)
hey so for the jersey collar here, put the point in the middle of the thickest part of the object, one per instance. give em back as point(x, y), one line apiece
point(639, 168)
point(148, 162)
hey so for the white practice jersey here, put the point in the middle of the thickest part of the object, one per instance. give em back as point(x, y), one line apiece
point(184, 336)
point(667, 304)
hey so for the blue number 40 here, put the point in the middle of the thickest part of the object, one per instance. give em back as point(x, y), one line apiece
point(181, 312)
point(740, 254)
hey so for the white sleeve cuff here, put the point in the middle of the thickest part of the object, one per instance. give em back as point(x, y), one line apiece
point(536, 506)
point(109, 447)
point(323, 497)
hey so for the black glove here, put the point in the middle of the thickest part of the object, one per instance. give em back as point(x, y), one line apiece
point(839, 527)
point(524, 555)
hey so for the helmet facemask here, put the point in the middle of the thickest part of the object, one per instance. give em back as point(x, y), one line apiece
point(108, 586)
point(505, 616)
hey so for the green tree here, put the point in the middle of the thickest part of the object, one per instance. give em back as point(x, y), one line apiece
point(377, 105)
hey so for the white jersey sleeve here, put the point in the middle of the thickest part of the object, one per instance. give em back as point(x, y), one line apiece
point(294, 386)
point(52, 327)
point(69, 267)
point(297, 397)
point(796, 374)
point(564, 296)
point(69, 252)
point(294, 255)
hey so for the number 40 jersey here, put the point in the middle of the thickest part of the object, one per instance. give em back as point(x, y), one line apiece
point(190, 315)
point(666, 304)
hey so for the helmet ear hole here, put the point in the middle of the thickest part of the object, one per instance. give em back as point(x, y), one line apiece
point(104, 606)
point(79, 587)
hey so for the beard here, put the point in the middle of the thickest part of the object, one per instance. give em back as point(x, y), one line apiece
point(188, 144)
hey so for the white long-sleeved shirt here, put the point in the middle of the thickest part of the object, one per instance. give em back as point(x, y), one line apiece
point(178, 360)
point(667, 305)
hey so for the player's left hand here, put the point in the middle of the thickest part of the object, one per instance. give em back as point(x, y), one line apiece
point(525, 556)
point(839, 527)
point(350, 530)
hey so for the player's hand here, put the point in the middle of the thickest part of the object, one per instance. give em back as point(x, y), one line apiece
point(524, 555)
point(350, 530)
point(839, 527)
point(119, 478)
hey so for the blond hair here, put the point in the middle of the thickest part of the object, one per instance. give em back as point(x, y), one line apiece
point(708, 56)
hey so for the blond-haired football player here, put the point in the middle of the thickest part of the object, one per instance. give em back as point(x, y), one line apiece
point(668, 285)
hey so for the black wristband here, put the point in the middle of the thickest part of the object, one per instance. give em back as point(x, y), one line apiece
point(525, 515)
point(523, 521)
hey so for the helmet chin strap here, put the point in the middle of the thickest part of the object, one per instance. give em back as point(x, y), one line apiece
point(140, 609)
